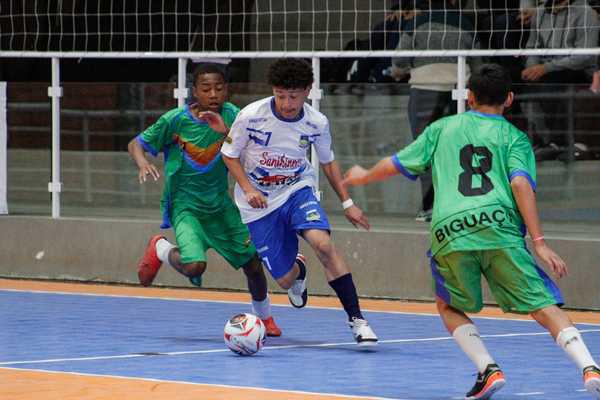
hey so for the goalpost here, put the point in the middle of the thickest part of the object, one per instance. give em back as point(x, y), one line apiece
point(3, 162)
point(183, 30)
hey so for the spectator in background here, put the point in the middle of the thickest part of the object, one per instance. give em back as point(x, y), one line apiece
point(437, 26)
point(559, 24)
point(510, 28)
point(384, 36)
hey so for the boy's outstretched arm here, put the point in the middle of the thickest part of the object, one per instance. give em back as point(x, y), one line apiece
point(145, 167)
point(525, 198)
point(381, 171)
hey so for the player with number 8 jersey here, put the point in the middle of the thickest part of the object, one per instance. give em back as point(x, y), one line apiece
point(483, 173)
point(473, 157)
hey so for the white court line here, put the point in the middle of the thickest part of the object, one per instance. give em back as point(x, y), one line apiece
point(283, 347)
point(272, 305)
point(344, 396)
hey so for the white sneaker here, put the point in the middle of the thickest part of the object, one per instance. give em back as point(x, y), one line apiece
point(363, 334)
point(298, 294)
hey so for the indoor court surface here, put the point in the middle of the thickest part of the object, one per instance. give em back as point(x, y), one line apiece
point(84, 341)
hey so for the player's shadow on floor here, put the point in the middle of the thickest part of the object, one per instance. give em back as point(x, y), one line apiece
point(191, 340)
point(285, 342)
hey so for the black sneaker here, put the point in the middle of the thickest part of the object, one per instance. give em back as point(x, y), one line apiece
point(487, 383)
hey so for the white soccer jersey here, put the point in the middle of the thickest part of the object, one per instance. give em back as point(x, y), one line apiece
point(273, 152)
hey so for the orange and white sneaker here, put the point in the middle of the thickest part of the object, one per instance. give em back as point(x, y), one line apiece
point(149, 264)
point(271, 327)
point(487, 383)
point(591, 380)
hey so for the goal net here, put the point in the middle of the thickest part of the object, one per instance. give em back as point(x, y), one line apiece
point(259, 26)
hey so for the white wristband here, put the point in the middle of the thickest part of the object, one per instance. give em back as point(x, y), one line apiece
point(346, 204)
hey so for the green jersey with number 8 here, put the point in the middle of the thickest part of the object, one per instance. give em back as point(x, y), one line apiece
point(473, 157)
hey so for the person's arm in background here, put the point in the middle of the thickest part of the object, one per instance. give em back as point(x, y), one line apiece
point(533, 40)
point(586, 27)
point(401, 65)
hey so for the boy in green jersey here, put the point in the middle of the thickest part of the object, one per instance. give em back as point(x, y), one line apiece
point(484, 179)
point(195, 201)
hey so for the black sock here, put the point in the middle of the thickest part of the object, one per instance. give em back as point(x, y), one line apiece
point(257, 282)
point(346, 292)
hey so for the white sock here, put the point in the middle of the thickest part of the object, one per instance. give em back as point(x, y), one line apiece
point(163, 248)
point(262, 309)
point(572, 343)
point(468, 338)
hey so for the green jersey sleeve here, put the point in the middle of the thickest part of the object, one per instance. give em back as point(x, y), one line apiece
point(521, 160)
point(415, 158)
point(159, 134)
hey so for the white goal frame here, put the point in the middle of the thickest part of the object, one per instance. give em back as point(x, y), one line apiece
point(181, 92)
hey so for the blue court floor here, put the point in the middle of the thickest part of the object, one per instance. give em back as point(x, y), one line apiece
point(181, 340)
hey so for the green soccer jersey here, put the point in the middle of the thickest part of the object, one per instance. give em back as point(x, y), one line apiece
point(195, 175)
point(473, 157)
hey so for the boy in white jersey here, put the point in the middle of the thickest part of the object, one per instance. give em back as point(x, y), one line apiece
point(267, 156)
point(484, 172)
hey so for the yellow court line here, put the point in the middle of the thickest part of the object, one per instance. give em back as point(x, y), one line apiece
point(199, 294)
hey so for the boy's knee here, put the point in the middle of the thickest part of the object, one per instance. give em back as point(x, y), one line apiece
point(253, 268)
point(324, 247)
point(194, 269)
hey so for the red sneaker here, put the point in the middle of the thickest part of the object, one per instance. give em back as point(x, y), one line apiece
point(271, 327)
point(149, 264)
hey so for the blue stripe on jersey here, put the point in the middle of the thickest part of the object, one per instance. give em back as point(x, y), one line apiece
point(258, 140)
point(202, 169)
point(495, 116)
point(147, 147)
point(520, 172)
point(166, 217)
point(188, 113)
point(401, 168)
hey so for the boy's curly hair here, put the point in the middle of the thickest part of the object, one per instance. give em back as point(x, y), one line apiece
point(290, 73)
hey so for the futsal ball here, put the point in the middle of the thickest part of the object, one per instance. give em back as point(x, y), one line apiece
point(244, 334)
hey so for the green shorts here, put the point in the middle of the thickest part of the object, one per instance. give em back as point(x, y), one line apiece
point(515, 280)
point(223, 231)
